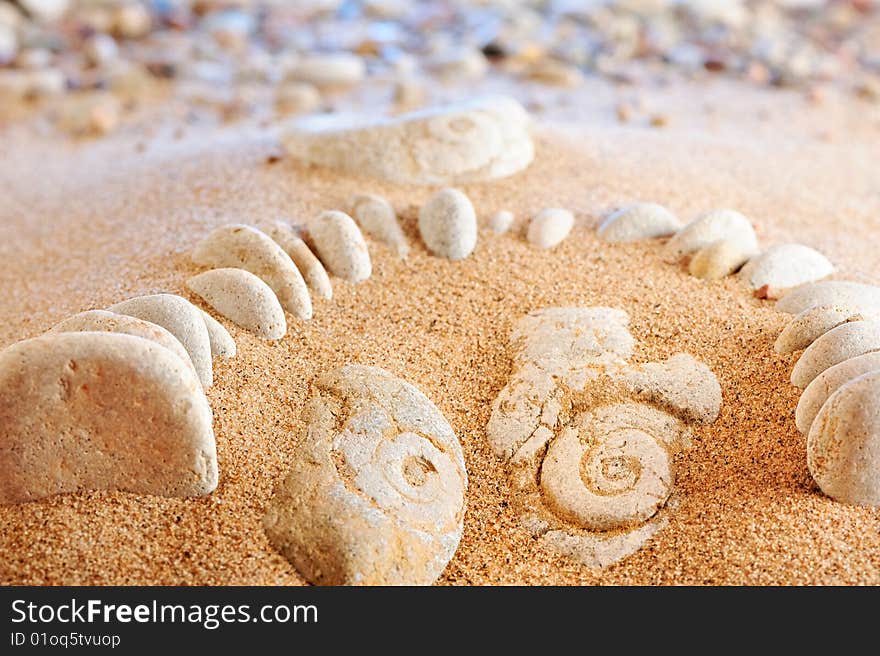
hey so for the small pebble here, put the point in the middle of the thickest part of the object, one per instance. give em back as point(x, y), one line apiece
point(711, 227)
point(828, 382)
point(101, 50)
point(717, 260)
point(448, 224)
point(243, 298)
point(815, 321)
point(328, 70)
point(549, 227)
point(784, 266)
point(297, 98)
point(341, 247)
point(377, 218)
point(501, 222)
point(637, 222)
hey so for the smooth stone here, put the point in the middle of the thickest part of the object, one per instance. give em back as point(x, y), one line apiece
point(784, 266)
point(378, 219)
point(815, 321)
point(550, 227)
point(637, 222)
point(828, 382)
point(340, 246)
point(718, 260)
point(483, 139)
point(221, 341)
point(843, 447)
point(375, 492)
point(328, 70)
point(838, 344)
point(501, 222)
point(101, 411)
point(180, 318)
point(313, 272)
point(243, 298)
point(103, 321)
point(245, 247)
point(829, 292)
point(448, 224)
point(713, 226)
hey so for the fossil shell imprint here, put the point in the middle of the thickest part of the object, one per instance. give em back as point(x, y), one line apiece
point(589, 480)
point(375, 493)
point(483, 139)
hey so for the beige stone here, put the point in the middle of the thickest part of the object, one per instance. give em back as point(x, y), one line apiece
point(243, 298)
point(784, 266)
point(501, 222)
point(101, 411)
point(340, 245)
point(815, 321)
point(682, 384)
point(377, 218)
point(828, 382)
point(246, 247)
point(475, 141)
point(448, 224)
point(180, 318)
point(103, 321)
point(221, 341)
point(843, 446)
point(375, 493)
point(829, 292)
point(838, 344)
point(297, 98)
point(637, 222)
point(313, 272)
point(328, 70)
point(718, 260)
point(550, 227)
point(708, 228)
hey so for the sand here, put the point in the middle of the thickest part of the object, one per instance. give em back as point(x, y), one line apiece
point(84, 225)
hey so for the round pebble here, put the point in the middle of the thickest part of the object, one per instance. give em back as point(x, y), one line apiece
point(637, 222)
point(549, 227)
point(784, 266)
point(340, 246)
point(448, 224)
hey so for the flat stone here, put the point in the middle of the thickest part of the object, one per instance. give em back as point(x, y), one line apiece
point(313, 272)
point(829, 292)
point(829, 381)
point(375, 492)
point(838, 344)
point(340, 246)
point(243, 298)
point(101, 411)
point(550, 227)
point(638, 222)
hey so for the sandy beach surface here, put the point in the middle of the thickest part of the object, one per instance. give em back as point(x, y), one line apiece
point(87, 223)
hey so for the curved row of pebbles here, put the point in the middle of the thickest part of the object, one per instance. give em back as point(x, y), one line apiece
point(836, 325)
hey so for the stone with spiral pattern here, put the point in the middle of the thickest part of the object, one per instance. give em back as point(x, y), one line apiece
point(375, 493)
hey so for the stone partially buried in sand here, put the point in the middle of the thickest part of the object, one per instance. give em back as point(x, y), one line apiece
point(101, 411)
point(718, 260)
point(475, 141)
point(182, 319)
point(828, 382)
point(448, 224)
point(378, 219)
point(637, 222)
point(243, 298)
point(784, 266)
point(713, 226)
point(550, 227)
point(843, 447)
point(313, 272)
point(341, 246)
point(815, 321)
point(829, 292)
point(375, 493)
point(221, 341)
point(838, 344)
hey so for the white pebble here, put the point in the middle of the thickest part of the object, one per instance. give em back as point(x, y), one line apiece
point(549, 227)
point(838, 344)
point(812, 323)
point(501, 222)
point(328, 70)
point(243, 298)
point(637, 222)
point(377, 218)
point(784, 266)
point(717, 260)
point(448, 224)
point(829, 292)
point(828, 382)
point(709, 228)
point(340, 245)
point(843, 447)
point(313, 272)
point(101, 50)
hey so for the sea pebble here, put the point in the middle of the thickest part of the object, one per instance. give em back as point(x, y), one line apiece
point(549, 227)
point(340, 245)
point(246, 247)
point(828, 382)
point(297, 98)
point(681, 383)
point(103, 321)
point(180, 318)
point(132, 20)
point(221, 341)
point(637, 222)
point(101, 411)
point(717, 260)
point(101, 50)
point(479, 140)
point(784, 266)
point(328, 70)
point(377, 218)
point(838, 344)
point(313, 272)
point(829, 292)
point(375, 492)
point(448, 224)
point(843, 447)
point(709, 228)
point(45, 10)
point(501, 222)
point(815, 321)
point(243, 298)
